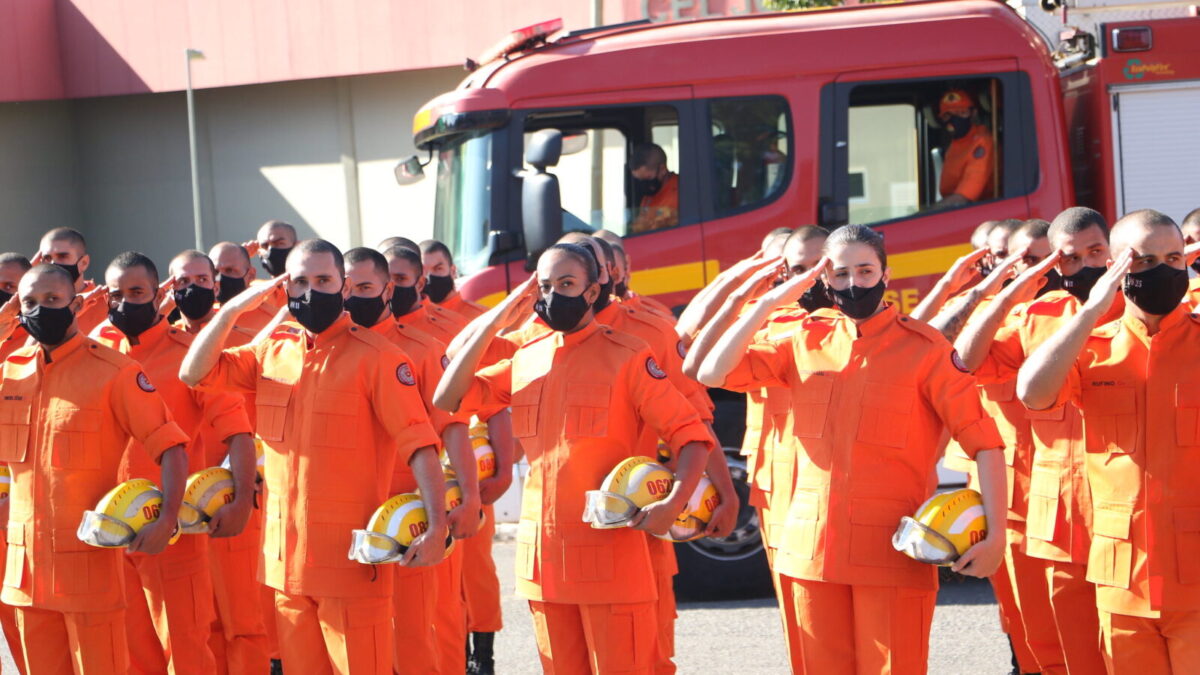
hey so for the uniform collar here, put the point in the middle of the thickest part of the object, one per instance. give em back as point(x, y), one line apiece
point(876, 324)
point(62, 351)
point(341, 325)
point(417, 313)
point(123, 344)
point(384, 325)
point(571, 339)
point(605, 315)
point(1168, 322)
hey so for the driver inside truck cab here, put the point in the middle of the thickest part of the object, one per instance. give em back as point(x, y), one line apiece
point(968, 174)
point(657, 187)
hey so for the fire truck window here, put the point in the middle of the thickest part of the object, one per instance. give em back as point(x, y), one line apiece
point(591, 198)
point(750, 143)
point(653, 172)
point(922, 146)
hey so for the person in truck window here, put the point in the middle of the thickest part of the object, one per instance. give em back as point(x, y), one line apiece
point(658, 207)
point(967, 174)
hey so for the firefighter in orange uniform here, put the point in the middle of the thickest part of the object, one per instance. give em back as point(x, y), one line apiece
point(407, 305)
point(1049, 570)
point(1134, 380)
point(177, 584)
point(67, 248)
point(70, 406)
point(967, 173)
point(12, 267)
point(440, 274)
point(337, 407)
point(420, 605)
point(239, 639)
point(592, 592)
point(234, 274)
point(621, 287)
point(855, 604)
point(658, 187)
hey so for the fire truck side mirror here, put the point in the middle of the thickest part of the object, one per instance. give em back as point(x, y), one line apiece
point(541, 203)
point(409, 171)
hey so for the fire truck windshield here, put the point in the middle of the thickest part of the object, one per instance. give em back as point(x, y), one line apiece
point(463, 198)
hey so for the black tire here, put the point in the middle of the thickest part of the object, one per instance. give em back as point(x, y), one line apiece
point(733, 568)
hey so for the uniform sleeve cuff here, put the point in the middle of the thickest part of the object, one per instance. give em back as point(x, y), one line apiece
point(415, 438)
point(167, 436)
point(979, 435)
point(692, 433)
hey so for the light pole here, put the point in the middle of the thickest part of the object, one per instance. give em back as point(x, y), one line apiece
point(190, 54)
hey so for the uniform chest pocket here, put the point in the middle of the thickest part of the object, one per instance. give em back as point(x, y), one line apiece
point(73, 437)
point(271, 401)
point(885, 414)
point(1187, 414)
point(526, 400)
point(14, 427)
point(1001, 392)
point(334, 419)
point(810, 405)
point(587, 410)
point(1111, 422)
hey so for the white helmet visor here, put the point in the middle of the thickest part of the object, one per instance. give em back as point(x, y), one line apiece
point(374, 548)
point(919, 542)
point(100, 529)
point(193, 519)
point(606, 510)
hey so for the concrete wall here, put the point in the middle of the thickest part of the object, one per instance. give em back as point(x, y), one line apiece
point(316, 153)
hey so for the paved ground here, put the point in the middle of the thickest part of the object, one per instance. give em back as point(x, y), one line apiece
point(745, 637)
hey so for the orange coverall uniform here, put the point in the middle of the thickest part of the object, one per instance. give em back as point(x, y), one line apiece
point(1192, 299)
point(8, 620)
point(176, 583)
point(968, 169)
point(578, 403)
point(65, 422)
point(440, 323)
point(1059, 515)
point(854, 603)
point(660, 209)
point(1141, 416)
point(461, 306)
point(94, 311)
point(335, 413)
point(651, 305)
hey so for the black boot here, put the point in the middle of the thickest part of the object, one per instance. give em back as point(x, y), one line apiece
point(480, 661)
point(276, 667)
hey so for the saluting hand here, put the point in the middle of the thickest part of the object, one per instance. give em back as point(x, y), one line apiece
point(1191, 252)
point(10, 311)
point(965, 271)
point(168, 302)
point(514, 308)
point(1109, 284)
point(789, 292)
point(251, 247)
point(153, 538)
point(759, 281)
point(253, 297)
point(1025, 287)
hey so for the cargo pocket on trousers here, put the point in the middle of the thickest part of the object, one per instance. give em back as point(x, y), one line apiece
point(14, 562)
point(800, 531)
point(872, 524)
point(1043, 503)
point(1187, 544)
point(527, 536)
point(1111, 557)
point(631, 636)
point(526, 399)
point(271, 401)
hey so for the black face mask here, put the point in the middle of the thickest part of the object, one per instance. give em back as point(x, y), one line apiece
point(48, 325)
point(315, 310)
point(648, 186)
point(5, 296)
point(1157, 290)
point(1080, 284)
point(403, 299)
point(561, 312)
point(857, 302)
point(275, 260)
point(438, 287)
point(958, 126)
point(195, 302)
point(605, 296)
point(620, 289)
point(73, 270)
point(816, 297)
point(365, 311)
point(133, 318)
point(1054, 282)
point(230, 287)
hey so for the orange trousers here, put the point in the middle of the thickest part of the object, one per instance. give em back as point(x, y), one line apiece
point(8, 623)
point(450, 619)
point(178, 593)
point(62, 643)
point(414, 613)
point(842, 629)
point(321, 636)
point(574, 639)
point(1037, 614)
point(662, 558)
point(239, 633)
point(266, 600)
point(1010, 610)
point(480, 585)
point(1073, 599)
point(1170, 644)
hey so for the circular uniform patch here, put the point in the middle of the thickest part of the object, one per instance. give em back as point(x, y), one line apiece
point(404, 373)
point(445, 362)
point(652, 368)
point(958, 362)
point(681, 349)
point(143, 383)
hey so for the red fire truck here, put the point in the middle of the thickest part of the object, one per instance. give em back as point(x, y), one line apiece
point(826, 117)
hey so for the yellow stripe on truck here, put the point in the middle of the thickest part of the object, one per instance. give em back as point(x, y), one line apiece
point(674, 278)
point(926, 261)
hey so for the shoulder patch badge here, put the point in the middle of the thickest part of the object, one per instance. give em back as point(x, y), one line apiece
point(143, 383)
point(958, 362)
point(652, 368)
point(404, 373)
point(681, 349)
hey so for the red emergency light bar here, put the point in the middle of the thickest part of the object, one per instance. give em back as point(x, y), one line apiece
point(522, 39)
point(1135, 39)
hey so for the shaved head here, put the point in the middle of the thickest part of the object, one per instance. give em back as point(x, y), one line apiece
point(45, 275)
point(1133, 228)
